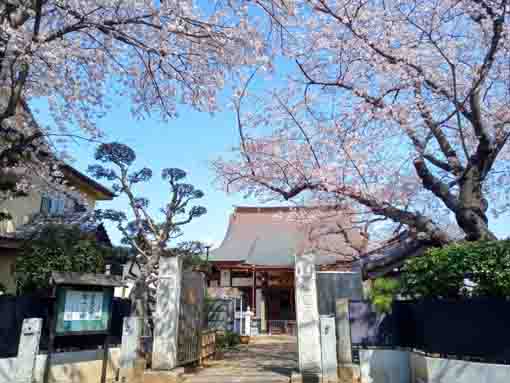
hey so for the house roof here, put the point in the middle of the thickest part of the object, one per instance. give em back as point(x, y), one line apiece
point(86, 279)
point(272, 236)
point(391, 255)
point(84, 221)
point(102, 192)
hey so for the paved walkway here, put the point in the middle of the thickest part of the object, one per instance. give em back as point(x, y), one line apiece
point(266, 359)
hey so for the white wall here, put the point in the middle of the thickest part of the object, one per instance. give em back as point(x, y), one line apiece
point(67, 367)
point(437, 370)
point(384, 366)
point(391, 366)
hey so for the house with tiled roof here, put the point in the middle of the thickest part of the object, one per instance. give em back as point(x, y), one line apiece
point(43, 204)
point(39, 208)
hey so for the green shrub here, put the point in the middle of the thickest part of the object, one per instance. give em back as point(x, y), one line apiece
point(443, 272)
point(383, 292)
point(57, 248)
point(227, 340)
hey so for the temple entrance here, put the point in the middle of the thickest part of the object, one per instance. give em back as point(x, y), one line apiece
point(281, 314)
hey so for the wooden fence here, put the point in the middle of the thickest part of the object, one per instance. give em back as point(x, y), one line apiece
point(191, 318)
point(208, 348)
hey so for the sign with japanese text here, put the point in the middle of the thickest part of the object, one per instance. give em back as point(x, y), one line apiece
point(83, 311)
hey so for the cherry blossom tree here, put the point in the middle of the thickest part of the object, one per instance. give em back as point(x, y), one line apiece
point(147, 234)
point(399, 109)
point(77, 55)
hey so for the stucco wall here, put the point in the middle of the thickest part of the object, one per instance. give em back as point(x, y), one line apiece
point(68, 367)
point(7, 262)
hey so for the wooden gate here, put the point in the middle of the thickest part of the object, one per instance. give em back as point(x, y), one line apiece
point(191, 317)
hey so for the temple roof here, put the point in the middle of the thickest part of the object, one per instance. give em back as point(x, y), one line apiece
point(272, 236)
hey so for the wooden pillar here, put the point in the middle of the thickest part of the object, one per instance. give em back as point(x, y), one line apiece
point(292, 301)
point(253, 308)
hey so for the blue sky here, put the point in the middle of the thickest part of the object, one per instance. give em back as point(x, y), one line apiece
point(188, 142)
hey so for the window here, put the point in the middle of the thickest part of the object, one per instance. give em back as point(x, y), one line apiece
point(54, 205)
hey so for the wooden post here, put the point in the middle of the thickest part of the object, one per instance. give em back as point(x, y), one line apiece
point(51, 340)
point(28, 348)
point(343, 331)
point(104, 367)
point(253, 304)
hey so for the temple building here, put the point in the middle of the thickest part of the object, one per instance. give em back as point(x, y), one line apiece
point(256, 257)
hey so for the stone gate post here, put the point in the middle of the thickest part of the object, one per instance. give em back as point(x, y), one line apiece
point(347, 371)
point(166, 320)
point(131, 363)
point(307, 315)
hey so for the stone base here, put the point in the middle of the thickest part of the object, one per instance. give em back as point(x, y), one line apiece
point(298, 377)
point(155, 376)
point(133, 375)
point(349, 373)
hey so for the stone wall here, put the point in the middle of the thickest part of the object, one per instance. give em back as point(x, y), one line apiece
point(68, 367)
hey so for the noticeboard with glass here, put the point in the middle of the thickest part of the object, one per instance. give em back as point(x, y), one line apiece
point(82, 310)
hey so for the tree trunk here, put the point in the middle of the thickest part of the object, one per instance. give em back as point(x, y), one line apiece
point(140, 298)
point(471, 215)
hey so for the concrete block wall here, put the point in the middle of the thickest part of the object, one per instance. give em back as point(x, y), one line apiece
point(393, 366)
point(68, 367)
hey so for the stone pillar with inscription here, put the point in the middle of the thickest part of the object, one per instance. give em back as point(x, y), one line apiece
point(307, 315)
point(166, 320)
point(131, 362)
point(347, 370)
point(28, 348)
